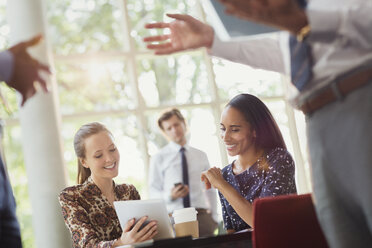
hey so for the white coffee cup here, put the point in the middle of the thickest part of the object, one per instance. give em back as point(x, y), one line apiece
point(184, 215)
point(185, 222)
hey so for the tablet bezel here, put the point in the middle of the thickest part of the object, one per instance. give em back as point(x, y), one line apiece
point(155, 209)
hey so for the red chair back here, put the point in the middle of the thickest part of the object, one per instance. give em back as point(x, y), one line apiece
point(286, 222)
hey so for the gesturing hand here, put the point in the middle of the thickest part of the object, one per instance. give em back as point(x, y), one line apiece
point(186, 32)
point(26, 69)
point(213, 178)
point(134, 235)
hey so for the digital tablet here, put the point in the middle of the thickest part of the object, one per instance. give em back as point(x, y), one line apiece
point(155, 210)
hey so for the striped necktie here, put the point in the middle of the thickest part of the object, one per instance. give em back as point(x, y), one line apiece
point(300, 58)
point(185, 177)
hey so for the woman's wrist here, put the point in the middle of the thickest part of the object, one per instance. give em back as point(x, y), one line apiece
point(222, 185)
point(117, 243)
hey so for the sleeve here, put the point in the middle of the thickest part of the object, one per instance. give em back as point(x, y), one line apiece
point(156, 180)
point(134, 195)
point(77, 221)
point(226, 218)
point(280, 178)
point(6, 65)
point(350, 23)
point(264, 53)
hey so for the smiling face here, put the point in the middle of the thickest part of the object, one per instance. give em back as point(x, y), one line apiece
point(101, 156)
point(175, 130)
point(236, 132)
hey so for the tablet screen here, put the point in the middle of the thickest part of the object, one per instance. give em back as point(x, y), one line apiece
point(155, 210)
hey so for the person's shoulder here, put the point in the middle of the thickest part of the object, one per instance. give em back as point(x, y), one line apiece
point(163, 151)
point(127, 191)
point(280, 155)
point(279, 152)
point(226, 171)
point(71, 193)
point(196, 150)
point(125, 186)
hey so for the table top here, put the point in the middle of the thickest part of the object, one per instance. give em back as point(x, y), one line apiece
point(236, 240)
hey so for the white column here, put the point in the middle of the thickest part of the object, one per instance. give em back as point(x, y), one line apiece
point(40, 120)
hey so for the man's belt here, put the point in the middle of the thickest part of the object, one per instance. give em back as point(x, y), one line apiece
point(337, 90)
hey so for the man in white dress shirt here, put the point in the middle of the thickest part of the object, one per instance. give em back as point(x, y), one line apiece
point(336, 96)
point(167, 179)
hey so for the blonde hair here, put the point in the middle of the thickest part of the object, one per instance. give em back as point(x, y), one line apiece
point(81, 135)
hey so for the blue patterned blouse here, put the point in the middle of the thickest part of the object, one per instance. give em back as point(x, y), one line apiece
point(262, 179)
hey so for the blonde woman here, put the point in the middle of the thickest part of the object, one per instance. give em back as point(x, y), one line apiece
point(88, 208)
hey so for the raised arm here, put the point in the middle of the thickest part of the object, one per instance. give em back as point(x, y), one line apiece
point(350, 22)
point(242, 207)
point(186, 32)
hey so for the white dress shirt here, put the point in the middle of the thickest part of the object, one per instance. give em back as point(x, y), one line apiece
point(340, 40)
point(166, 170)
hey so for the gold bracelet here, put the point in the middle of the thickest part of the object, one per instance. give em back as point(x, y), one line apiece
point(303, 33)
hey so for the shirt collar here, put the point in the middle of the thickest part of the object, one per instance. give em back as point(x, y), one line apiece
point(176, 147)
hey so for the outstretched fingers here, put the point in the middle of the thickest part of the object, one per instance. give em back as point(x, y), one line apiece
point(156, 38)
point(162, 49)
point(28, 94)
point(159, 46)
point(157, 25)
point(43, 84)
point(180, 17)
point(22, 46)
point(33, 41)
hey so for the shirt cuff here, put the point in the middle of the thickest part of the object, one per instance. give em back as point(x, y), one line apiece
point(6, 65)
point(224, 49)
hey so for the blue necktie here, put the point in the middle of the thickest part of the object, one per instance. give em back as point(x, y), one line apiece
point(300, 59)
point(185, 178)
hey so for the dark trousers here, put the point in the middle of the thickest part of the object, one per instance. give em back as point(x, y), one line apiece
point(10, 236)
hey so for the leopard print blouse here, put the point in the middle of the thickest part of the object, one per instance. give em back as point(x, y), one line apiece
point(90, 217)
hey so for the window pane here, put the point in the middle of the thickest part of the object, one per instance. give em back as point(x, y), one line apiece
point(79, 26)
point(233, 78)
point(144, 11)
point(93, 86)
point(173, 80)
